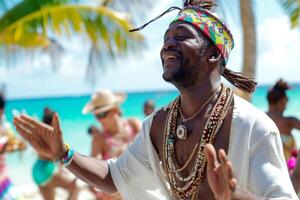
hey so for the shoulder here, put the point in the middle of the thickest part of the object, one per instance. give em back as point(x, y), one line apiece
point(155, 117)
point(135, 123)
point(154, 123)
point(98, 138)
point(291, 120)
point(158, 114)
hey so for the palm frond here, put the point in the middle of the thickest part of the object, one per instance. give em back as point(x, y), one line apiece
point(31, 23)
point(292, 8)
point(31, 28)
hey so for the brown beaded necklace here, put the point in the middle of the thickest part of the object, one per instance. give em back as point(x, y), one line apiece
point(191, 183)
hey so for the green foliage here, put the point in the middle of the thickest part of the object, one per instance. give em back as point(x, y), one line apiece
point(292, 7)
point(29, 22)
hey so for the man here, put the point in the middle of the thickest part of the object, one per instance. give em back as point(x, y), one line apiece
point(167, 160)
point(277, 99)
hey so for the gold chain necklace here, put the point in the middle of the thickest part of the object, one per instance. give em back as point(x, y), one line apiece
point(201, 108)
point(192, 182)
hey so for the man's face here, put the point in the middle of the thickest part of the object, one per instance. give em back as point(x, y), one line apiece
point(182, 54)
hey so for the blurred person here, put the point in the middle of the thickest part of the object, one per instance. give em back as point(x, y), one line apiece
point(47, 175)
point(206, 144)
point(149, 107)
point(277, 99)
point(8, 143)
point(116, 132)
point(294, 168)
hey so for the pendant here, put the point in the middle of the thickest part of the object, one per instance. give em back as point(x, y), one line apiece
point(181, 132)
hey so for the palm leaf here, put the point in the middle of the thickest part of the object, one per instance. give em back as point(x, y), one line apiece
point(292, 8)
point(62, 18)
point(30, 23)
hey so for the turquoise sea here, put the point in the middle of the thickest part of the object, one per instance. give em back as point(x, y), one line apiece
point(74, 124)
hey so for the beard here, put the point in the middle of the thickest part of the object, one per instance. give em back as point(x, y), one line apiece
point(183, 75)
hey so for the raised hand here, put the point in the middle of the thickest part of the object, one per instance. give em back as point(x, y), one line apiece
point(46, 140)
point(220, 174)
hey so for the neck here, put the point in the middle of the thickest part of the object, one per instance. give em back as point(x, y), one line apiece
point(194, 97)
point(273, 109)
point(115, 128)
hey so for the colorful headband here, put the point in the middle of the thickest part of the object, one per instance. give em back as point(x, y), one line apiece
point(210, 25)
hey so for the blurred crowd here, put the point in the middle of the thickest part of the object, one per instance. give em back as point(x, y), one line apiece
point(113, 133)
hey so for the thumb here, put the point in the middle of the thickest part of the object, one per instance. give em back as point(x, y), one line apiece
point(56, 124)
point(211, 157)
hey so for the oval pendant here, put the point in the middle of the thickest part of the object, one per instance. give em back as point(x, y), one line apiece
point(181, 132)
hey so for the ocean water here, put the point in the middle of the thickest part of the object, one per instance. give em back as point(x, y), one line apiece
point(75, 125)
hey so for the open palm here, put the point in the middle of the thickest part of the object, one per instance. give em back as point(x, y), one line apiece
point(46, 140)
point(219, 174)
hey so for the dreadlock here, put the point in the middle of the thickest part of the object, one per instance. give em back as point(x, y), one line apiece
point(204, 4)
point(240, 80)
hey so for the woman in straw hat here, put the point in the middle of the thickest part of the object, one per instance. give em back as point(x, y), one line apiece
point(117, 132)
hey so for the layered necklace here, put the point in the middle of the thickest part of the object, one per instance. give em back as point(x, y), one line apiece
point(184, 187)
point(181, 131)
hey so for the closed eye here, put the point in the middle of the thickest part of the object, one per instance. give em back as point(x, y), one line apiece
point(181, 38)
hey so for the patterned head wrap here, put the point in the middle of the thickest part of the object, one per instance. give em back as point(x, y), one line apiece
point(210, 25)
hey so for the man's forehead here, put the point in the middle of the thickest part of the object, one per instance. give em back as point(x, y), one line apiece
point(179, 25)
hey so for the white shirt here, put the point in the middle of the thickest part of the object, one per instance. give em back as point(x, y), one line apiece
point(255, 151)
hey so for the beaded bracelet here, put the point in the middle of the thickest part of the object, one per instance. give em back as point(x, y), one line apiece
point(68, 157)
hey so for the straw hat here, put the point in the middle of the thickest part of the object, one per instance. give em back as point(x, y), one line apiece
point(103, 100)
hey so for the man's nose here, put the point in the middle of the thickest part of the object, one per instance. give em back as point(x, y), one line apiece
point(169, 43)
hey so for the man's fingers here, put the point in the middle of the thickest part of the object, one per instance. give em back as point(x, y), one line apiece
point(211, 156)
point(232, 184)
point(56, 123)
point(22, 125)
point(23, 134)
point(229, 169)
point(33, 122)
point(226, 164)
point(222, 156)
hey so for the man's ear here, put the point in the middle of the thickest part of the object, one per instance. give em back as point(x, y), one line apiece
point(214, 55)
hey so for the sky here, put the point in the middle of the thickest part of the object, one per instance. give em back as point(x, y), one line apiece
point(278, 52)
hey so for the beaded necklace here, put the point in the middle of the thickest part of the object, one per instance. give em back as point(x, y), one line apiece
point(181, 131)
point(213, 124)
